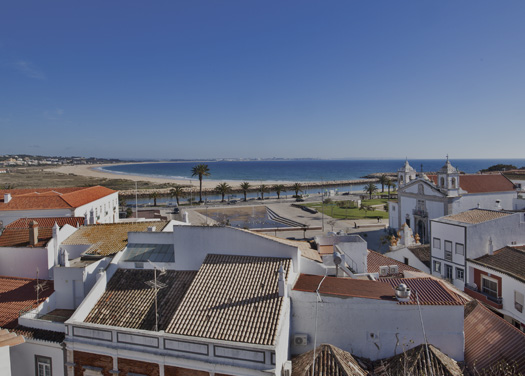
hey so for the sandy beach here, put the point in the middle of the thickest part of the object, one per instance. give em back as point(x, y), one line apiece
point(94, 171)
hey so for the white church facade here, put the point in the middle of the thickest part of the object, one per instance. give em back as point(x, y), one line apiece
point(422, 197)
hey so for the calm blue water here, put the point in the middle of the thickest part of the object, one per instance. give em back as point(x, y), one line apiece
point(299, 171)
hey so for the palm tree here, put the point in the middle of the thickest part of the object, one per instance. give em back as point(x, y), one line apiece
point(222, 189)
point(279, 188)
point(177, 192)
point(297, 187)
point(389, 185)
point(370, 188)
point(154, 196)
point(200, 170)
point(383, 179)
point(263, 188)
point(245, 186)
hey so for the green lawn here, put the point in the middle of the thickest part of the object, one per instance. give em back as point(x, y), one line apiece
point(334, 211)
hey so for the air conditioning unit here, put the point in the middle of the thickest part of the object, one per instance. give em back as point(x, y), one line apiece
point(394, 269)
point(383, 271)
point(300, 339)
point(287, 368)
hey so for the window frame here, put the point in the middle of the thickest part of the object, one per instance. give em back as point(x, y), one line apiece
point(46, 361)
point(462, 271)
point(437, 266)
point(492, 280)
point(438, 242)
point(463, 247)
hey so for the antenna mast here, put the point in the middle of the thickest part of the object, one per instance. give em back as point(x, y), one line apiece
point(156, 286)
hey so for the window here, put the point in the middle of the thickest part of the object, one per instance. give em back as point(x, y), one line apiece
point(448, 250)
point(42, 365)
point(437, 266)
point(518, 301)
point(442, 181)
point(489, 287)
point(448, 272)
point(460, 249)
point(453, 183)
point(460, 274)
point(437, 243)
point(406, 260)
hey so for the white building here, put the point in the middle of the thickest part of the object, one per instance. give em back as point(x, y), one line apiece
point(469, 235)
point(498, 280)
point(96, 204)
point(422, 198)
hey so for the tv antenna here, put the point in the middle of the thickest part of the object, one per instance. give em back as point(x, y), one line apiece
point(156, 286)
point(39, 287)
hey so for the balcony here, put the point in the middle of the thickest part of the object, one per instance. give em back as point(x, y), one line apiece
point(518, 306)
point(482, 297)
point(420, 213)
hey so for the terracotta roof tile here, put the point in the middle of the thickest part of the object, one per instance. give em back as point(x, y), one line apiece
point(476, 216)
point(19, 237)
point(507, 260)
point(8, 339)
point(345, 287)
point(478, 183)
point(233, 298)
point(429, 290)
point(108, 239)
point(52, 198)
point(18, 294)
point(329, 361)
point(375, 260)
point(415, 362)
point(39, 334)
point(47, 222)
point(129, 302)
point(489, 340)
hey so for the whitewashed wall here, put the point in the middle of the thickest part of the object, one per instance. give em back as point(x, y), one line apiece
point(373, 328)
point(413, 261)
point(23, 357)
point(5, 361)
point(111, 202)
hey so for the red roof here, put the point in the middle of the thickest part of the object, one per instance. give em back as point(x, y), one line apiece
point(19, 237)
point(346, 287)
point(429, 291)
point(479, 183)
point(47, 222)
point(489, 339)
point(19, 294)
point(374, 260)
point(52, 198)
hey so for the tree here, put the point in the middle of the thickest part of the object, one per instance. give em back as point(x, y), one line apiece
point(370, 188)
point(263, 188)
point(223, 189)
point(279, 188)
point(154, 196)
point(297, 187)
point(177, 192)
point(389, 185)
point(245, 186)
point(200, 170)
point(383, 179)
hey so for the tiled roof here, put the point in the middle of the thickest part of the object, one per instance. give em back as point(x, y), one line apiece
point(345, 287)
point(489, 340)
point(18, 294)
point(39, 334)
point(477, 183)
point(52, 198)
point(415, 362)
point(476, 216)
point(19, 237)
point(47, 222)
point(507, 260)
point(108, 239)
point(329, 361)
point(429, 291)
point(233, 298)
point(374, 260)
point(129, 302)
point(10, 339)
point(422, 252)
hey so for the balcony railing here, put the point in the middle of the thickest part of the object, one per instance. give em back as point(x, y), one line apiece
point(472, 290)
point(420, 213)
point(518, 306)
point(448, 255)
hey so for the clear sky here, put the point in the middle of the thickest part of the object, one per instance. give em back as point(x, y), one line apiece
point(270, 78)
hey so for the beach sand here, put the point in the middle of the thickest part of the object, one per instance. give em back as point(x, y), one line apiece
point(94, 171)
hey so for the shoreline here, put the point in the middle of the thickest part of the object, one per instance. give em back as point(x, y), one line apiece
point(207, 184)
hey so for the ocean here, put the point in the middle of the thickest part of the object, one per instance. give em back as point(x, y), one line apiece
point(266, 172)
point(299, 171)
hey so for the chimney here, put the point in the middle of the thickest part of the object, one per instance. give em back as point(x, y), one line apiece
point(7, 198)
point(101, 273)
point(282, 283)
point(33, 233)
point(491, 246)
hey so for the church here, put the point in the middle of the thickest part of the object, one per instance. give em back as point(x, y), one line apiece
point(423, 197)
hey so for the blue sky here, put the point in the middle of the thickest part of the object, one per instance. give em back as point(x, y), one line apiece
point(218, 79)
